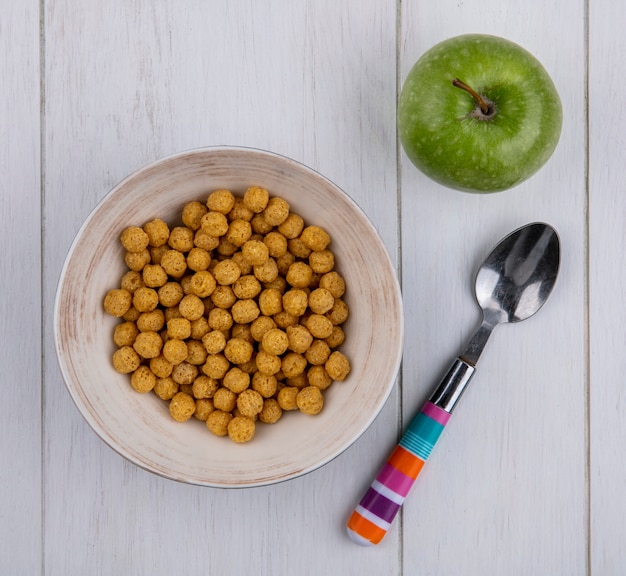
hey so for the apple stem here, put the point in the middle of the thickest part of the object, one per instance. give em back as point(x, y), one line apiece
point(486, 109)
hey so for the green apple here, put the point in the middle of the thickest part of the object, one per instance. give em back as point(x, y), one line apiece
point(479, 113)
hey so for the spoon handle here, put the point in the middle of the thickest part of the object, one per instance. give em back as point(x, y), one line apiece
point(374, 514)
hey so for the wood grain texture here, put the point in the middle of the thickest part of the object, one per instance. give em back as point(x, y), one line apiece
point(20, 308)
point(607, 223)
point(529, 477)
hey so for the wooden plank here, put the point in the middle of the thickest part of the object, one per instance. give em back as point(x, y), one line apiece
point(20, 308)
point(504, 491)
point(127, 83)
point(607, 211)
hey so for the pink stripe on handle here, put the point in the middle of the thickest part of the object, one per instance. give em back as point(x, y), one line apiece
point(436, 413)
point(395, 480)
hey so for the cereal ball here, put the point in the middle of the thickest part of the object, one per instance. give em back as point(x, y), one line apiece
point(170, 294)
point(299, 275)
point(321, 300)
point(216, 366)
point(131, 281)
point(291, 227)
point(299, 381)
point(270, 302)
point(204, 406)
point(276, 244)
point(247, 287)
point(226, 272)
point(260, 225)
point(236, 380)
point(196, 353)
point(132, 315)
point(217, 422)
point(148, 344)
point(221, 201)
point(172, 312)
point(255, 252)
point(203, 283)
point(266, 272)
point(322, 262)
point(181, 239)
point(245, 268)
point(200, 326)
point(279, 283)
point(267, 363)
point(191, 307)
point(245, 311)
point(299, 337)
point(214, 223)
point(336, 338)
point(225, 399)
point(182, 407)
point(126, 360)
point(315, 238)
point(241, 429)
point(198, 259)
point(143, 379)
point(202, 239)
point(275, 341)
point(239, 211)
point(283, 262)
point(226, 248)
point(339, 313)
point(249, 403)
point(298, 249)
point(334, 283)
point(137, 260)
point(295, 301)
point(284, 319)
point(318, 353)
point(157, 231)
point(223, 297)
point(156, 253)
point(134, 239)
point(265, 384)
point(174, 263)
point(310, 400)
point(220, 319)
point(214, 342)
point(184, 373)
point(317, 376)
point(260, 326)
point(117, 302)
point(160, 366)
point(239, 232)
point(276, 211)
point(204, 386)
point(154, 276)
point(287, 398)
point(271, 412)
point(293, 364)
point(152, 321)
point(238, 350)
point(192, 214)
point(242, 331)
point(320, 326)
point(165, 388)
point(337, 366)
point(185, 284)
point(124, 334)
point(255, 199)
point(175, 351)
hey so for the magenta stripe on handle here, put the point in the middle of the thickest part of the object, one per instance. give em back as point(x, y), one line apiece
point(395, 480)
point(436, 413)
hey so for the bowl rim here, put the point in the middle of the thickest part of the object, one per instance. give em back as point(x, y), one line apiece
point(105, 436)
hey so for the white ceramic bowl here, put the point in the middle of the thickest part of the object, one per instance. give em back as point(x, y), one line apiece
point(138, 426)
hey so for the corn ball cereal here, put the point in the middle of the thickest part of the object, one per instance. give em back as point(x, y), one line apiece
point(233, 315)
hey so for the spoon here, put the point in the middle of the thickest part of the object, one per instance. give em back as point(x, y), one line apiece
point(512, 284)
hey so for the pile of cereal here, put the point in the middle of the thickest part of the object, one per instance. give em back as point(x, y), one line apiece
point(234, 315)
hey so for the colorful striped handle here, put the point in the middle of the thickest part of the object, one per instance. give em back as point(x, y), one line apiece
point(373, 516)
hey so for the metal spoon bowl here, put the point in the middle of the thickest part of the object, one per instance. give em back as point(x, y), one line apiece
point(512, 284)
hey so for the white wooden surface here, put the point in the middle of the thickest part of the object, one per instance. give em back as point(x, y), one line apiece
point(530, 477)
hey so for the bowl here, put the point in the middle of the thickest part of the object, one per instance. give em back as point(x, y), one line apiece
point(139, 426)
